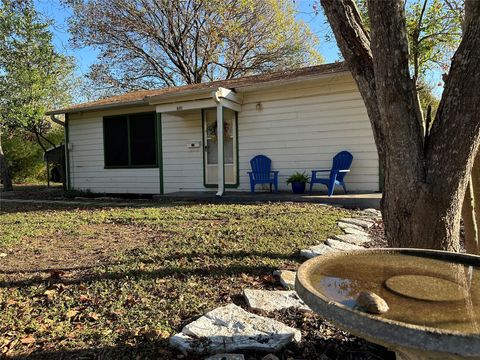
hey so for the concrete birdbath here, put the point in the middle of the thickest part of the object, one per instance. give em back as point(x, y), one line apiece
point(433, 299)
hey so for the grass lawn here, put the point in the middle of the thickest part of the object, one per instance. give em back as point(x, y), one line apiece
point(115, 283)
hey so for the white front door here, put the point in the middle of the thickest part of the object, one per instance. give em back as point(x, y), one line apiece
point(211, 148)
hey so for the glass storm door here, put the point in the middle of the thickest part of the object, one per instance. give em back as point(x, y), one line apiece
point(211, 146)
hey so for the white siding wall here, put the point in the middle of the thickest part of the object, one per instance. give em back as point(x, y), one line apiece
point(87, 171)
point(301, 127)
point(182, 167)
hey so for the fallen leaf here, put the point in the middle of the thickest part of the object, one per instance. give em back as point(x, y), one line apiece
point(93, 316)
point(85, 298)
point(11, 302)
point(50, 294)
point(72, 313)
point(28, 340)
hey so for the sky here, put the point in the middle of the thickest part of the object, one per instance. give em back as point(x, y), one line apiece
point(53, 9)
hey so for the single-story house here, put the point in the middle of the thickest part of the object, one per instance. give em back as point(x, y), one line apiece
point(172, 139)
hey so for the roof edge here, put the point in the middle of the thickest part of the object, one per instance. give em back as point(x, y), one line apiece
point(260, 80)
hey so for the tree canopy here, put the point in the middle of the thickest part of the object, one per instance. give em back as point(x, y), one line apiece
point(434, 29)
point(145, 44)
point(34, 77)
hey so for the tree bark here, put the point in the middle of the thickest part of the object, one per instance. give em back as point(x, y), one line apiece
point(5, 172)
point(471, 210)
point(425, 182)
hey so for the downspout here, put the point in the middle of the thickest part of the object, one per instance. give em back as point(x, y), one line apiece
point(65, 134)
point(57, 121)
point(220, 162)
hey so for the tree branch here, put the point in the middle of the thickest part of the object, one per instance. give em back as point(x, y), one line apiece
point(354, 43)
point(455, 133)
point(396, 92)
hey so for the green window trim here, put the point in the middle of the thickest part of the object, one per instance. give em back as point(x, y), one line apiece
point(129, 153)
point(160, 150)
point(67, 156)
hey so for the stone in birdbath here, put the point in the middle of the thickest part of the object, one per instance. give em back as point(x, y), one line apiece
point(273, 300)
point(372, 303)
point(230, 328)
point(286, 278)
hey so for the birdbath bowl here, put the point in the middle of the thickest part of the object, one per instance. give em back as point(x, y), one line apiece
point(433, 298)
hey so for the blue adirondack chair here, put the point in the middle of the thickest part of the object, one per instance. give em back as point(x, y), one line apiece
point(261, 173)
point(340, 167)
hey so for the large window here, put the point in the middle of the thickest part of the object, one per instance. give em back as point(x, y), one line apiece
point(130, 140)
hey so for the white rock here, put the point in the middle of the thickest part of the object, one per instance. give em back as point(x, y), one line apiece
point(371, 213)
point(226, 357)
point(316, 250)
point(273, 300)
point(353, 231)
point(340, 245)
point(286, 278)
point(230, 328)
point(2, 255)
point(343, 225)
point(363, 223)
point(270, 357)
point(353, 239)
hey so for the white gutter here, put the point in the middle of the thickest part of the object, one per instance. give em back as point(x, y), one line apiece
point(221, 162)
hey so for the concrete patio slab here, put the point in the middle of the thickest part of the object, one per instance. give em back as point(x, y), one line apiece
point(351, 201)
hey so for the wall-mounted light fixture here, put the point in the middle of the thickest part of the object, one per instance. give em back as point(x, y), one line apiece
point(259, 106)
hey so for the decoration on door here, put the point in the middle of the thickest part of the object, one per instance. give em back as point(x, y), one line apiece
point(212, 131)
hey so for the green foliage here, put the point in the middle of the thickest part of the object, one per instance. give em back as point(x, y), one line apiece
point(434, 32)
point(34, 77)
point(298, 177)
point(25, 157)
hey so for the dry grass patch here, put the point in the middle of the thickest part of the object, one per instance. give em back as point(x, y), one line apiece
point(115, 283)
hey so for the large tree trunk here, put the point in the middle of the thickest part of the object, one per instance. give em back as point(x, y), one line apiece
point(471, 210)
point(425, 179)
point(5, 173)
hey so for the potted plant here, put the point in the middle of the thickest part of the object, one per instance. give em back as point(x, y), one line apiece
point(298, 181)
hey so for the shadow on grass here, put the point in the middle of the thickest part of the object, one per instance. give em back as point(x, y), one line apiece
point(146, 349)
point(313, 346)
point(180, 272)
point(61, 205)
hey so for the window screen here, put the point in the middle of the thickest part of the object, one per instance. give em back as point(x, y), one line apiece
point(130, 140)
point(116, 141)
point(142, 140)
